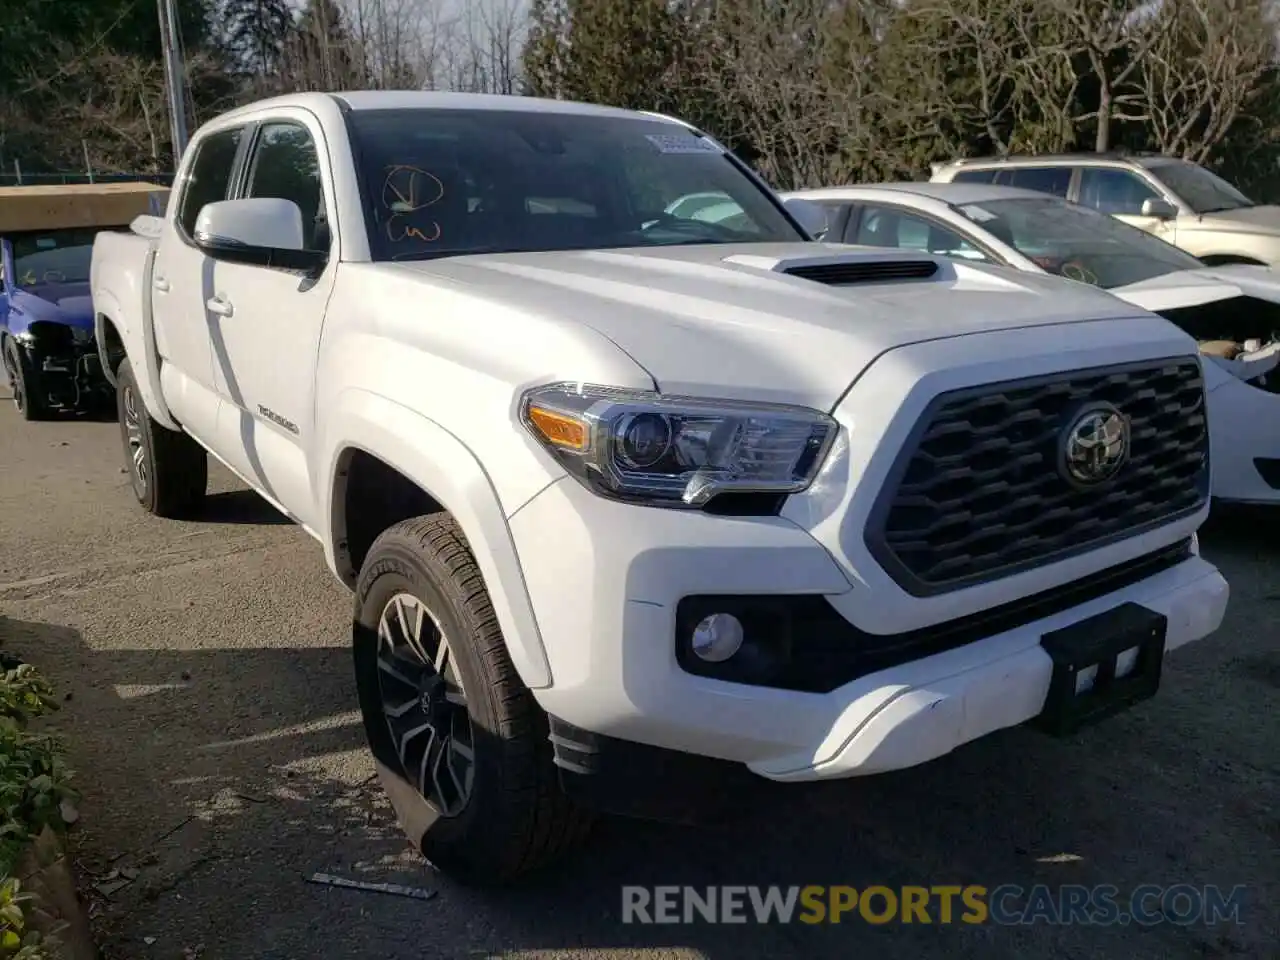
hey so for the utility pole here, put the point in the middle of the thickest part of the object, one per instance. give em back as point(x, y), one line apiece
point(175, 85)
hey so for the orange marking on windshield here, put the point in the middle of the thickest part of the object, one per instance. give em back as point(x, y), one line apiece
point(403, 199)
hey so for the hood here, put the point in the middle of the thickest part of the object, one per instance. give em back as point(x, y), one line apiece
point(1263, 220)
point(766, 321)
point(1193, 288)
point(66, 303)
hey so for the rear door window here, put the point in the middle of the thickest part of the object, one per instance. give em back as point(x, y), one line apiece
point(886, 226)
point(1051, 180)
point(974, 176)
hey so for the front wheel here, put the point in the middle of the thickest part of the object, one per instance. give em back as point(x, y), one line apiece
point(459, 742)
point(24, 382)
point(169, 471)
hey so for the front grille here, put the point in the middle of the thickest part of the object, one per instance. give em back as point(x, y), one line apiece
point(977, 492)
point(865, 271)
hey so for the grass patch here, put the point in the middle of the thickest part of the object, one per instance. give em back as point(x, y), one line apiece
point(35, 794)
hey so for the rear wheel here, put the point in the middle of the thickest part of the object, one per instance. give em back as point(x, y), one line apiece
point(459, 742)
point(169, 471)
point(24, 382)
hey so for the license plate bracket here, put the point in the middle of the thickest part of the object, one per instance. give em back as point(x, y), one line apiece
point(1098, 642)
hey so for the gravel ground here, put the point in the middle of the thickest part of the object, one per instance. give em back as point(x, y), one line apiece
point(210, 716)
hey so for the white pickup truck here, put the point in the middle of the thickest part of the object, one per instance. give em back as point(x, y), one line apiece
point(633, 500)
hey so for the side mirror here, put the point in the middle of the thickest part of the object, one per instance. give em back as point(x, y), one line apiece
point(261, 231)
point(811, 216)
point(1159, 208)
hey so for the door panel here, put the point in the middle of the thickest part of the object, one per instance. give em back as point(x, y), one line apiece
point(179, 275)
point(267, 324)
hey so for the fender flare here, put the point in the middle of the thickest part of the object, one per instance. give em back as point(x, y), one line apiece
point(439, 463)
point(137, 335)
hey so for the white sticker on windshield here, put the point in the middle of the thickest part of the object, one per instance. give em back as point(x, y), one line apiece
point(681, 143)
point(979, 215)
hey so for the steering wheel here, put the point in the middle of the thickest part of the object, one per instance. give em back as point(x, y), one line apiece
point(54, 276)
point(1075, 270)
point(676, 224)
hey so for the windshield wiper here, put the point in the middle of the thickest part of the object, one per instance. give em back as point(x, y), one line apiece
point(1228, 206)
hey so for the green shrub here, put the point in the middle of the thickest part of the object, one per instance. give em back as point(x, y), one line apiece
point(34, 785)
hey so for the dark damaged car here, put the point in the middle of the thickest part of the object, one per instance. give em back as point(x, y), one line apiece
point(51, 357)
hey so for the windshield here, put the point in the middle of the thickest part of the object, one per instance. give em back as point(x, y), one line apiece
point(1202, 191)
point(51, 256)
point(1078, 243)
point(444, 182)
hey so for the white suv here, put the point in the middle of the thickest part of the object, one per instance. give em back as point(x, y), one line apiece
point(1178, 201)
point(626, 496)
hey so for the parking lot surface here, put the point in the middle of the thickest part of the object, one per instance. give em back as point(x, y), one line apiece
point(211, 721)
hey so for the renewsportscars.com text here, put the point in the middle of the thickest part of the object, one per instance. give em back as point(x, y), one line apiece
point(1008, 904)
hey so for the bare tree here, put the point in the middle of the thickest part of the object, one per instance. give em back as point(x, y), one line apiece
point(321, 53)
point(482, 52)
point(1115, 36)
point(772, 63)
point(400, 41)
point(109, 104)
point(1200, 80)
point(982, 34)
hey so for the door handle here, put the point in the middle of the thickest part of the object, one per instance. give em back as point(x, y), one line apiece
point(219, 306)
point(161, 284)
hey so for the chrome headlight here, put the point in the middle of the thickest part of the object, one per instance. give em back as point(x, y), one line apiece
point(676, 451)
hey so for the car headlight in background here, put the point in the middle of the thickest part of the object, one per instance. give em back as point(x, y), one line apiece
point(676, 451)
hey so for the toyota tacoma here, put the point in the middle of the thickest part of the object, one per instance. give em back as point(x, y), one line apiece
point(633, 502)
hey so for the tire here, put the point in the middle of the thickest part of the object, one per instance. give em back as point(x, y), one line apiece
point(515, 818)
point(24, 382)
point(168, 470)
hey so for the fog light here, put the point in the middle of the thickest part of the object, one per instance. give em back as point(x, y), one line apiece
point(717, 638)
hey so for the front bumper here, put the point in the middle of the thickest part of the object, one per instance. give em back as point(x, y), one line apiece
point(606, 579)
point(923, 710)
point(68, 367)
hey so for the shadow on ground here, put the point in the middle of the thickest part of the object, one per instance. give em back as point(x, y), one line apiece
point(1236, 528)
point(223, 825)
point(239, 506)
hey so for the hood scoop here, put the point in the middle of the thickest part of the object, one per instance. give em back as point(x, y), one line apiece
point(847, 269)
point(843, 274)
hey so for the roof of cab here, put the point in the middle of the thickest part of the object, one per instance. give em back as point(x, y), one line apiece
point(427, 100)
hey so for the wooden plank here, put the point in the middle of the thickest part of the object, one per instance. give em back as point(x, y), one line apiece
point(83, 205)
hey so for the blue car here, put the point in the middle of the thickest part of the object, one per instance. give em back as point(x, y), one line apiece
point(51, 359)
